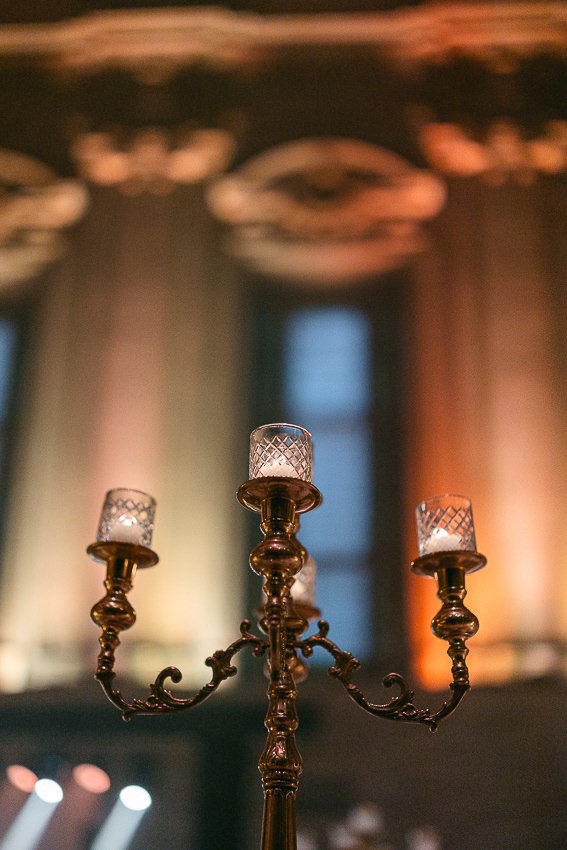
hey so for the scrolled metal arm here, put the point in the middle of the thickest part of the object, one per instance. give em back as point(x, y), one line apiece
point(400, 707)
point(161, 700)
point(114, 613)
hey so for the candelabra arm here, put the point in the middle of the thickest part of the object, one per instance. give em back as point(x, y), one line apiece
point(163, 701)
point(453, 623)
point(400, 707)
point(114, 613)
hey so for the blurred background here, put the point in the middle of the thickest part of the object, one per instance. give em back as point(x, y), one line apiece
point(353, 218)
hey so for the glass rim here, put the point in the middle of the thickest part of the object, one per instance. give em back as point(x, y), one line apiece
point(282, 425)
point(148, 496)
point(444, 496)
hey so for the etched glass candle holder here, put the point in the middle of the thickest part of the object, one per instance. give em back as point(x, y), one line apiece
point(303, 588)
point(281, 451)
point(127, 517)
point(444, 524)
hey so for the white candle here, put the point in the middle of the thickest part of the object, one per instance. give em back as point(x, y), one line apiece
point(125, 529)
point(281, 451)
point(441, 540)
point(278, 467)
point(303, 588)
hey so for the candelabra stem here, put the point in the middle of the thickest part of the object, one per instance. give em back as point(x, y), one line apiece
point(278, 558)
point(454, 622)
point(113, 613)
point(280, 766)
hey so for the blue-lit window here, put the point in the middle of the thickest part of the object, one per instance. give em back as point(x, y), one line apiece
point(327, 387)
point(334, 362)
point(8, 340)
point(10, 332)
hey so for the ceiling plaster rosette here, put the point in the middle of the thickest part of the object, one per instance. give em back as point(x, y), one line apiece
point(35, 205)
point(326, 210)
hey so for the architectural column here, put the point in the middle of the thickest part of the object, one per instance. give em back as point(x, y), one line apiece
point(488, 419)
point(134, 380)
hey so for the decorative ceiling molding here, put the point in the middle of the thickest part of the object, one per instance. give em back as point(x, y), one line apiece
point(153, 159)
point(504, 153)
point(163, 40)
point(35, 206)
point(326, 211)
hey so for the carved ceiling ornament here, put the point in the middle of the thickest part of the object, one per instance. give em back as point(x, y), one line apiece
point(157, 42)
point(503, 153)
point(326, 210)
point(152, 160)
point(35, 205)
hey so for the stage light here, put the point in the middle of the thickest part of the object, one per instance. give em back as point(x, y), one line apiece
point(91, 778)
point(21, 777)
point(135, 798)
point(48, 790)
point(32, 819)
point(118, 829)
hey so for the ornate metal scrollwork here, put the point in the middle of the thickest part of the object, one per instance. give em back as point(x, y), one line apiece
point(400, 707)
point(161, 699)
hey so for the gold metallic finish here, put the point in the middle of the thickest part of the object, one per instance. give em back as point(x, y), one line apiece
point(278, 558)
point(114, 613)
point(453, 622)
point(305, 496)
point(429, 565)
point(113, 550)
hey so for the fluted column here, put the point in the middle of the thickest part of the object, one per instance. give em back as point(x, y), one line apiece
point(134, 380)
point(488, 415)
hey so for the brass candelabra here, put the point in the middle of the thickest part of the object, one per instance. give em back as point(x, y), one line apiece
point(280, 489)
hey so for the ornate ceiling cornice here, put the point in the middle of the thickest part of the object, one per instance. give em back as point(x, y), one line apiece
point(326, 211)
point(168, 39)
point(37, 206)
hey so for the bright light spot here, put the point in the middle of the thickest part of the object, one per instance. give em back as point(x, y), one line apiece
point(117, 831)
point(27, 827)
point(48, 790)
point(91, 778)
point(135, 798)
point(127, 520)
point(21, 777)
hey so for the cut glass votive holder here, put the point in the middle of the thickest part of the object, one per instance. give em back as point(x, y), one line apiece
point(127, 516)
point(303, 588)
point(444, 524)
point(281, 451)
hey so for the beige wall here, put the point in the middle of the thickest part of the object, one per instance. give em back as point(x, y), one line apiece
point(134, 380)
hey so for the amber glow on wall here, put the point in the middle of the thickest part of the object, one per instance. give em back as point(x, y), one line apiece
point(488, 422)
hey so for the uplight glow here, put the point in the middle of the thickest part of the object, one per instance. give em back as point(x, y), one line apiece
point(118, 830)
point(135, 798)
point(21, 777)
point(48, 790)
point(32, 819)
point(91, 778)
